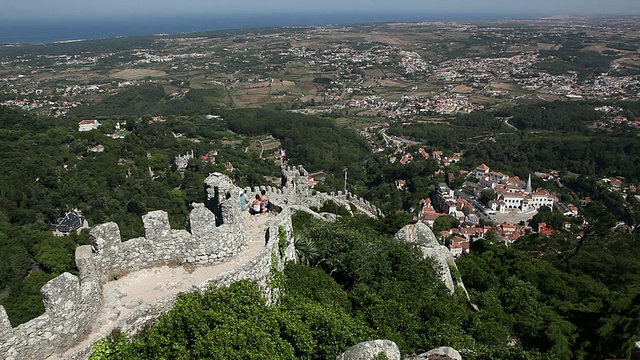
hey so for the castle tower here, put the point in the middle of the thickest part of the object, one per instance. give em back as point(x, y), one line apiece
point(527, 189)
point(295, 180)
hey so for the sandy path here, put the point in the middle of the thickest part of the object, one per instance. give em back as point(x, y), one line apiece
point(149, 286)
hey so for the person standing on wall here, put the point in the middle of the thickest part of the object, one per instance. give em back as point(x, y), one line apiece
point(265, 201)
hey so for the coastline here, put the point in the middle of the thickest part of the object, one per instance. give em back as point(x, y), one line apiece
point(35, 31)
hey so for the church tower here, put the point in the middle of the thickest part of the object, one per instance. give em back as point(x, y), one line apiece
point(527, 189)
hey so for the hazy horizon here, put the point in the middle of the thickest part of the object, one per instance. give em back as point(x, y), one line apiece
point(78, 9)
point(24, 29)
point(53, 30)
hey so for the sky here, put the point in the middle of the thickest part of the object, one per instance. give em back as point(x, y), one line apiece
point(73, 9)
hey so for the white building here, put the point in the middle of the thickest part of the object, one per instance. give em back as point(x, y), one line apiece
point(497, 177)
point(88, 125)
point(481, 171)
point(445, 199)
point(522, 201)
point(542, 198)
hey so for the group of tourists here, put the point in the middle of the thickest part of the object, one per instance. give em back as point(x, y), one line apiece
point(259, 205)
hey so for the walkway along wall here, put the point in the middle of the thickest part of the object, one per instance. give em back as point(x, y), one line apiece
point(72, 303)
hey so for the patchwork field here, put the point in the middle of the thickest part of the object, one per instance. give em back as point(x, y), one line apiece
point(137, 74)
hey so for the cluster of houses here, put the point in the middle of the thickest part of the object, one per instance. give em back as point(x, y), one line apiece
point(614, 122)
point(459, 239)
point(618, 184)
point(512, 193)
point(405, 158)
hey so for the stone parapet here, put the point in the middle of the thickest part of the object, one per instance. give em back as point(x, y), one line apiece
point(72, 303)
point(69, 308)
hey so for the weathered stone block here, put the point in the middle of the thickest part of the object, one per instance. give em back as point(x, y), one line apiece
point(85, 262)
point(6, 330)
point(203, 221)
point(231, 214)
point(156, 225)
point(105, 237)
point(369, 350)
point(60, 294)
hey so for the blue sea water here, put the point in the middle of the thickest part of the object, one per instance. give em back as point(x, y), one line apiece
point(46, 31)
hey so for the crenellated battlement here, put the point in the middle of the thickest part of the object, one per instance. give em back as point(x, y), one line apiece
point(73, 304)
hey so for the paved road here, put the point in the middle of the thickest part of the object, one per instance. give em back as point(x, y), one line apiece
point(481, 209)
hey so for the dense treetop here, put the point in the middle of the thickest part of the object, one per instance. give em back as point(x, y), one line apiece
point(561, 297)
point(55, 170)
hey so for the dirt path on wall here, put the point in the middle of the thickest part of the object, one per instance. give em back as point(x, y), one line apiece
point(149, 286)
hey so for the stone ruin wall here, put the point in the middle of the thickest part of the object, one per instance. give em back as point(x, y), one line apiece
point(361, 204)
point(295, 187)
point(260, 270)
point(69, 308)
point(72, 303)
point(109, 258)
point(262, 267)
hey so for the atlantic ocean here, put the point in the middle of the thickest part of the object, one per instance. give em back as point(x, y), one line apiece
point(52, 30)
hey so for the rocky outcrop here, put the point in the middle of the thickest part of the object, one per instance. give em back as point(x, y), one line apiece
point(369, 350)
point(421, 235)
point(441, 353)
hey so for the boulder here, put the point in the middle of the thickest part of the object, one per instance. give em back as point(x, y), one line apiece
point(422, 235)
point(441, 353)
point(368, 350)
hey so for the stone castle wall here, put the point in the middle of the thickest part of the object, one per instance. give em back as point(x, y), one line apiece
point(69, 307)
point(271, 259)
point(72, 303)
point(206, 244)
point(295, 187)
point(260, 270)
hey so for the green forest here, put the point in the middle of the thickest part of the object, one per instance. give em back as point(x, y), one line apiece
point(574, 295)
point(54, 171)
point(546, 136)
point(361, 284)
